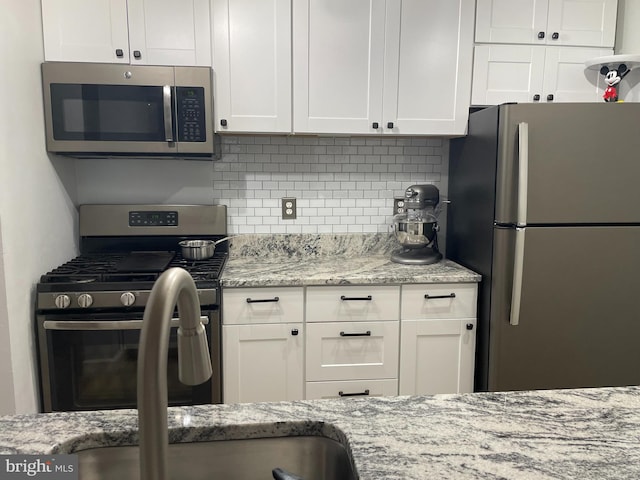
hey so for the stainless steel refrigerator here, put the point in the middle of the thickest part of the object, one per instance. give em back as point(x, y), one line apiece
point(545, 204)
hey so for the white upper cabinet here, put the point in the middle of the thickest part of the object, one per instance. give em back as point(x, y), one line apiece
point(338, 52)
point(252, 65)
point(535, 73)
point(145, 32)
point(81, 31)
point(374, 67)
point(427, 74)
point(547, 22)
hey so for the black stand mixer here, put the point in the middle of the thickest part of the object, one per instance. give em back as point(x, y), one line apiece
point(416, 229)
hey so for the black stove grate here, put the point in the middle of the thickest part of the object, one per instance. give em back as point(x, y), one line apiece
point(98, 268)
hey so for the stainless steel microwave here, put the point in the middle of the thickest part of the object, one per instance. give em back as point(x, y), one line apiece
point(97, 109)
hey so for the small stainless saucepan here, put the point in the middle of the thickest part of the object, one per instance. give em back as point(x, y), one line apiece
point(200, 249)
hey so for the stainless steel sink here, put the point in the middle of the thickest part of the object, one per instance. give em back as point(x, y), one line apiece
point(309, 457)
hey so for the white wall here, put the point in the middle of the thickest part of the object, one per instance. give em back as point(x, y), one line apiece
point(37, 212)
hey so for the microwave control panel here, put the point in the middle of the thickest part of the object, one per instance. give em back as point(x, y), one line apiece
point(191, 116)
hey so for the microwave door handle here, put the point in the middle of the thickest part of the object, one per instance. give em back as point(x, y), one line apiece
point(101, 325)
point(168, 117)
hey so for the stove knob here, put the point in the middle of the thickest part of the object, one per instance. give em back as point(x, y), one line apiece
point(127, 299)
point(63, 301)
point(85, 300)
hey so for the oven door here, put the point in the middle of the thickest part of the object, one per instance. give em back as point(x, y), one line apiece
point(90, 363)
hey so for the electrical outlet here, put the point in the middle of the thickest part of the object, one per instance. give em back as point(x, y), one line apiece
point(398, 205)
point(288, 208)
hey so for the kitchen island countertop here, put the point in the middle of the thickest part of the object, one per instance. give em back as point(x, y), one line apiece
point(562, 434)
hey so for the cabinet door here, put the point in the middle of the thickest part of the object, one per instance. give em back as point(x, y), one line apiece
point(165, 32)
point(567, 79)
point(81, 31)
point(252, 65)
point(427, 66)
point(262, 363)
point(582, 22)
point(338, 49)
point(511, 21)
point(437, 356)
point(507, 73)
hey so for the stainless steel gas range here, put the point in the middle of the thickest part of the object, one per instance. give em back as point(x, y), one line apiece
point(89, 310)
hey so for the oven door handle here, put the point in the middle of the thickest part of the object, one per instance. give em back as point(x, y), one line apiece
point(104, 324)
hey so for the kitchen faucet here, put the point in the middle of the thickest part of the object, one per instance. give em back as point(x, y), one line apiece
point(174, 286)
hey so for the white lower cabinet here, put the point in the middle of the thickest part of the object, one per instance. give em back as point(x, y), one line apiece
point(438, 338)
point(290, 343)
point(437, 356)
point(262, 344)
point(263, 362)
point(352, 338)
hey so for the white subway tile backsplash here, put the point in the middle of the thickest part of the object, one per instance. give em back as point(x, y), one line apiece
point(343, 184)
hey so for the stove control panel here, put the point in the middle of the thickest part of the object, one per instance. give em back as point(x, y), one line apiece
point(168, 218)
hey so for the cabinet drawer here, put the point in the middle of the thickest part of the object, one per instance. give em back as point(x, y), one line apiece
point(451, 300)
point(351, 389)
point(352, 350)
point(353, 303)
point(262, 305)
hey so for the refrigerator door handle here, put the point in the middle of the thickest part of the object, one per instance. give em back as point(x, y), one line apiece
point(523, 170)
point(518, 267)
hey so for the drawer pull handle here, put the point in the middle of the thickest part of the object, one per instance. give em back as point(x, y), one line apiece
point(365, 334)
point(294, 332)
point(274, 299)
point(368, 297)
point(431, 297)
point(357, 394)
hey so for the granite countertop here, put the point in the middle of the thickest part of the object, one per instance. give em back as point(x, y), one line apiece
point(562, 434)
point(300, 260)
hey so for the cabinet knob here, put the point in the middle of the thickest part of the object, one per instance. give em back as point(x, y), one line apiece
point(540, 35)
point(389, 124)
point(469, 326)
point(550, 97)
point(536, 97)
point(555, 35)
point(375, 125)
point(119, 53)
point(294, 332)
point(223, 122)
point(137, 54)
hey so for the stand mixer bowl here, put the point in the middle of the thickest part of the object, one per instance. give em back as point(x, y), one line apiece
point(414, 233)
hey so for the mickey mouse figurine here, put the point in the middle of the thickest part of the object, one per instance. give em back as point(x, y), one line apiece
point(612, 79)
